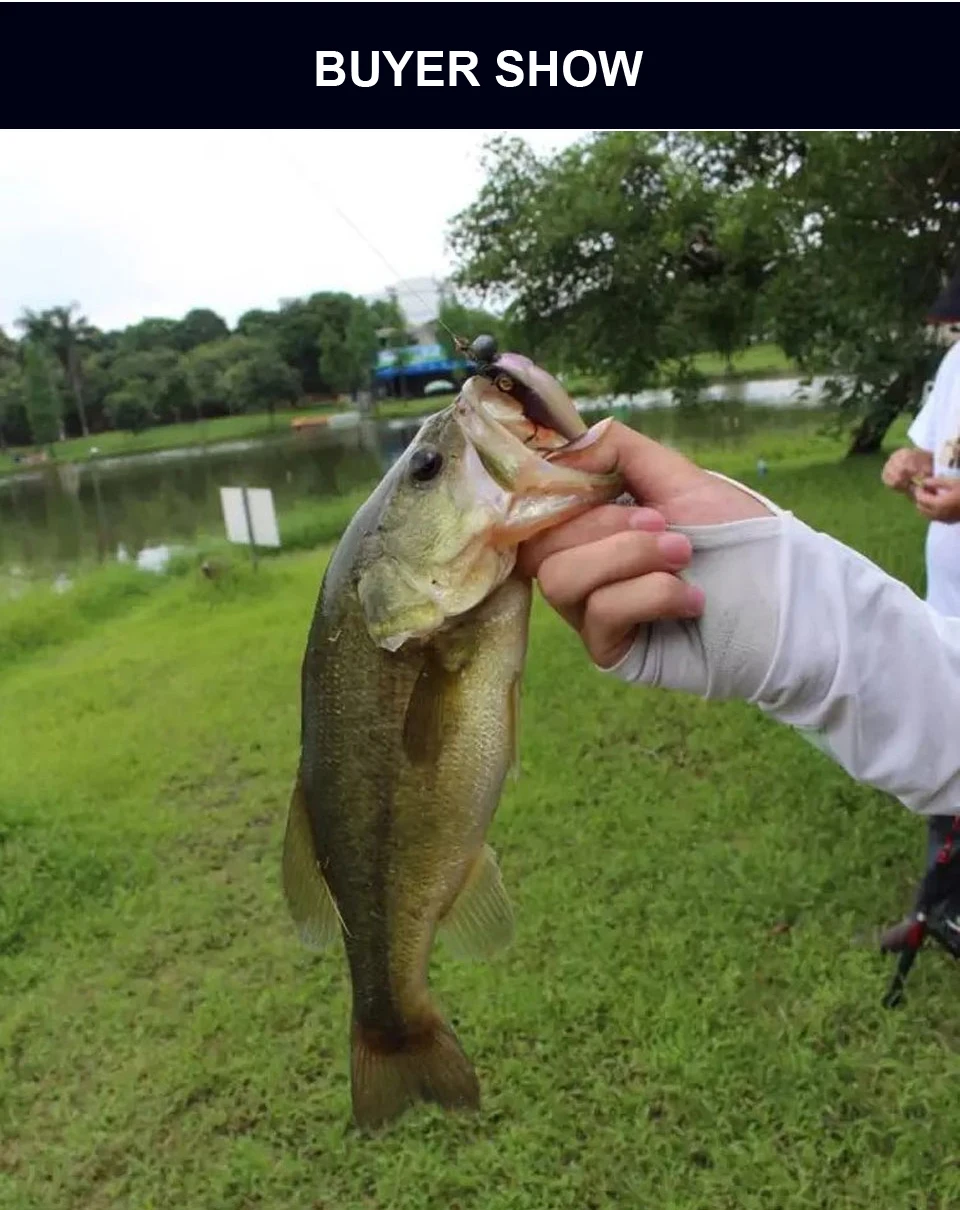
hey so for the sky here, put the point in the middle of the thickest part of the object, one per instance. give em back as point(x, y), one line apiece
point(135, 223)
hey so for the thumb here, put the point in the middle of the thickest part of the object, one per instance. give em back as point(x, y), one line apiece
point(654, 474)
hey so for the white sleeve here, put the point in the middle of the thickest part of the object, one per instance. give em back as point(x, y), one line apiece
point(920, 431)
point(825, 641)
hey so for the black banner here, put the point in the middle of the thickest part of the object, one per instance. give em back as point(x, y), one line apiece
point(611, 66)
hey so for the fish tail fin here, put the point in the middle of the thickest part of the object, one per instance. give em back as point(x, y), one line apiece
point(388, 1076)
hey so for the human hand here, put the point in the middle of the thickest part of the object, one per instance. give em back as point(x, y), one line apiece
point(903, 466)
point(938, 499)
point(610, 571)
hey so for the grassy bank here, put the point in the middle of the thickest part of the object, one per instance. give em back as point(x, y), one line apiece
point(761, 361)
point(689, 1016)
point(165, 437)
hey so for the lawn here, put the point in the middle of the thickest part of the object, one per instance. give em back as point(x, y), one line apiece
point(689, 1016)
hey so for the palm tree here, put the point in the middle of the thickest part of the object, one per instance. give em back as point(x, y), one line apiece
point(58, 330)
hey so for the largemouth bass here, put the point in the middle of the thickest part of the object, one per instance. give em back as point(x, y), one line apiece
point(410, 700)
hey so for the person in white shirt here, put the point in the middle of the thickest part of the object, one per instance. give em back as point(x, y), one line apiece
point(708, 587)
point(929, 473)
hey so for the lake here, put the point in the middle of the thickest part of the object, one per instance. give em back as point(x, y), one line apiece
point(54, 517)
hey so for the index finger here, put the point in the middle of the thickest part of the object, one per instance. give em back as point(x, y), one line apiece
point(601, 522)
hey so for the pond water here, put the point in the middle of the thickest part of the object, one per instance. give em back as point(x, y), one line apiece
point(55, 516)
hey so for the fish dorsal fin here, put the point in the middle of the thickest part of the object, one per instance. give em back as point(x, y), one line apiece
point(306, 891)
point(479, 923)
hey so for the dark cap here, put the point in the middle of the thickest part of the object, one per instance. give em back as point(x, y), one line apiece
point(946, 308)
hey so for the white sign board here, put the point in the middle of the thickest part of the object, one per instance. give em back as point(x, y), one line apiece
point(263, 517)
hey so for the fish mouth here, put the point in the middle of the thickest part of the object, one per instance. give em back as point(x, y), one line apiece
point(509, 431)
point(512, 451)
point(522, 400)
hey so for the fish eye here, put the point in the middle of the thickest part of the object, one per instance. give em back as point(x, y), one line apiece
point(425, 464)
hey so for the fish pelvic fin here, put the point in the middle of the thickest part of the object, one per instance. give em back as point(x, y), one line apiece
point(308, 897)
point(388, 1076)
point(479, 923)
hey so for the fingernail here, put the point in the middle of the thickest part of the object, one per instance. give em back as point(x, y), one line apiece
point(694, 599)
point(646, 518)
point(588, 438)
point(675, 548)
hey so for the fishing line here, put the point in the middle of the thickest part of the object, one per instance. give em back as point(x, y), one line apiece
point(459, 343)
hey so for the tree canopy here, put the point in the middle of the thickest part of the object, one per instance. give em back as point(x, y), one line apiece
point(163, 370)
point(631, 252)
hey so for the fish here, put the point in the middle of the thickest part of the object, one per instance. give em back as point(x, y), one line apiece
point(410, 701)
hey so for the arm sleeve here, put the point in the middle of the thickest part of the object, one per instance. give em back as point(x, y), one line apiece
point(869, 669)
point(823, 640)
point(920, 431)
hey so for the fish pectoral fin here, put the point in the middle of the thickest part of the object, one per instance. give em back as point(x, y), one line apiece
point(424, 720)
point(479, 923)
point(308, 896)
point(513, 706)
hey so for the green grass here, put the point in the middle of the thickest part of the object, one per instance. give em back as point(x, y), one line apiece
point(759, 361)
point(689, 1017)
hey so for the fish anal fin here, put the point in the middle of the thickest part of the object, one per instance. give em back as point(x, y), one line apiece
point(389, 1076)
point(305, 889)
point(479, 923)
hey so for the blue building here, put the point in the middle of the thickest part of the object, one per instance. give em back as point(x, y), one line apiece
point(407, 371)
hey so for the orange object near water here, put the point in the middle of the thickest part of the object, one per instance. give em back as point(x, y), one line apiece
point(309, 422)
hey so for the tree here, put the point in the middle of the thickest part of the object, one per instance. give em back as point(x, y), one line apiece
point(8, 350)
point(298, 329)
point(153, 335)
point(590, 253)
point(204, 367)
point(11, 384)
point(42, 394)
point(347, 348)
point(260, 379)
point(64, 335)
point(129, 409)
point(199, 327)
point(879, 233)
point(158, 378)
point(632, 251)
point(237, 374)
point(12, 398)
point(257, 323)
